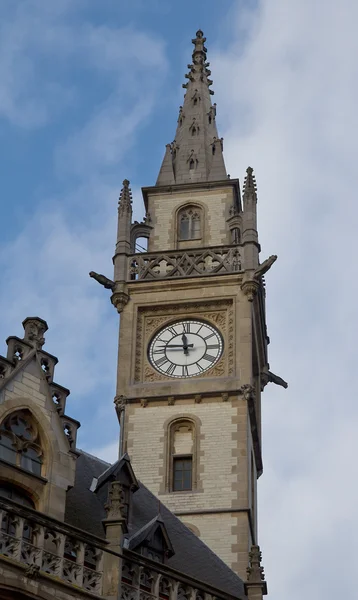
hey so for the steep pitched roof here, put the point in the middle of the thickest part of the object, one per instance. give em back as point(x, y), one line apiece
point(85, 509)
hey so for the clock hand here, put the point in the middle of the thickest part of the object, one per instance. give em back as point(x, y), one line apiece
point(185, 343)
point(176, 346)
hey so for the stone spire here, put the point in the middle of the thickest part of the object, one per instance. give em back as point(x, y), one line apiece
point(196, 154)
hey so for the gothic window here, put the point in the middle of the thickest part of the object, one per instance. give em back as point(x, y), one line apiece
point(235, 236)
point(20, 443)
point(189, 224)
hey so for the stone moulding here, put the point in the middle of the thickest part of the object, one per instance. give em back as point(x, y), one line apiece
point(185, 263)
point(219, 313)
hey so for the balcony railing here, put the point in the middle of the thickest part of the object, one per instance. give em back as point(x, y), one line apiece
point(185, 263)
point(44, 546)
point(141, 581)
point(26, 538)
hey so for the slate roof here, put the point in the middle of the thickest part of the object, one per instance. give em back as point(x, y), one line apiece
point(85, 509)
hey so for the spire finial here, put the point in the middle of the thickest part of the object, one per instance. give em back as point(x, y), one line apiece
point(125, 198)
point(199, 42)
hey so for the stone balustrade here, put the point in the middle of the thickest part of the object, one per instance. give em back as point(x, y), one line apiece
point(143, 582)
point(185, 263)
point(45, 547)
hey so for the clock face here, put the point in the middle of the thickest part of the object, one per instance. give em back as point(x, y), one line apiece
point(185, 348)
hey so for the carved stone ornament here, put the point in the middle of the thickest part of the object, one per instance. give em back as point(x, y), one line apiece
point(197, 398)
point(144, 403)
point(171, 401)
point(248, 391)
point(219, 313)
point(120, 402)
point(115, 506)
point(119, 300)
point(32, 571)
point(225, 396)
point(185, 263)
point(250, 289)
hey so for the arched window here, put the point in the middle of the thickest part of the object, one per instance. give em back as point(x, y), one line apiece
point(182, 450)
point(190, 223)
point(20, 442)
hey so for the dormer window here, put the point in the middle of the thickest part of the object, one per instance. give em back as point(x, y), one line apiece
point(189, 224)
point(20, 443)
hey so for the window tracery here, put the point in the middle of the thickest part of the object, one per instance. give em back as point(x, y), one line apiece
point(190, 223)
point(20, 442)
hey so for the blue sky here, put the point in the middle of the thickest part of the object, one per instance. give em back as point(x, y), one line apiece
point(89, 93)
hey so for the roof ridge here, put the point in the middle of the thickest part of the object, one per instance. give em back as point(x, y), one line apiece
point(93, 456)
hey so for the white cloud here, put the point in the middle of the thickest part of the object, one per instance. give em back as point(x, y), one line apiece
point(287, 104)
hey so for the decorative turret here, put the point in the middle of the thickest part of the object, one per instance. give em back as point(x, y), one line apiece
point(196, 154)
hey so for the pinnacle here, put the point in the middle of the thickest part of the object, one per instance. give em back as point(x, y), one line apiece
point(125, 198)
point(249, 182)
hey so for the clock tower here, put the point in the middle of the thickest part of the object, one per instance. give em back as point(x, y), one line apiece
point(192, 357)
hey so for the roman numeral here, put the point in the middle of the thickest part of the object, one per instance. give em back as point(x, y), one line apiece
point(209, 336)
point(200, 368)
point(212, 346)
point(208, 357)
point(161, 361)
point(184, 371)
point(170, 369)
point(201, 326)
point(186, 327)
point(172, 331)
point(160, 351)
